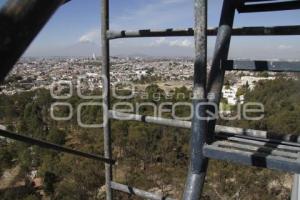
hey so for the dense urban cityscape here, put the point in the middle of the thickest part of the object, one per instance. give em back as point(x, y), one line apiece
point(34, 73)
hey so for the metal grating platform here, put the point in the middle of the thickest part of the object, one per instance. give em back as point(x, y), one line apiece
point(272, 155)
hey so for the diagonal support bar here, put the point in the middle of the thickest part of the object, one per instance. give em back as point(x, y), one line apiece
point(217, 73)
point(47, 145)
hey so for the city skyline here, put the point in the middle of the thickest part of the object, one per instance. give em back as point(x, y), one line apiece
point(74, 30)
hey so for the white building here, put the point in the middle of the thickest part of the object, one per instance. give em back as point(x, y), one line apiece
point(251, 81)
point(141, 73)
point(230, 94)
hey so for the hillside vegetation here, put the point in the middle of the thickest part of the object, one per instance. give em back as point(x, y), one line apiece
point(150, 157)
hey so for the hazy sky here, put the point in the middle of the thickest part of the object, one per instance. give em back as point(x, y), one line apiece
point(74, 30)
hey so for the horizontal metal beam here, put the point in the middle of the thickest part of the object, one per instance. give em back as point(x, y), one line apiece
point(148, 119)
point(273, 6)
point(226, 131)
point(257, 65)
point(252, 158)
point(272, 149)
point(20, 22)
point(47, 145)
point(151, 33)
point(137, 192)
point(293, 147)
point(242, 31)
point(223, 131)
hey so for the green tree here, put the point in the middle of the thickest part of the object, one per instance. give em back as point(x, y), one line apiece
point(49, 181)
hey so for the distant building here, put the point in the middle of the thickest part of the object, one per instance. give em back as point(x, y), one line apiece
point(141, 73)
point(251, 81)
point(229, 93)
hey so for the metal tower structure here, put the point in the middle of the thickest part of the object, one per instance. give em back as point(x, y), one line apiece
point(247, 147)
point(21, 20)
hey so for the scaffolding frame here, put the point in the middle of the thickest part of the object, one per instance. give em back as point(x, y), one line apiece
point(22, 20)
point(202, 131)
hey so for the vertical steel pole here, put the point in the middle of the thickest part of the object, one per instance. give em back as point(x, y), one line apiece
point(217, 73)
point(106, 99)
point(198, 163)
point(296, 188)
